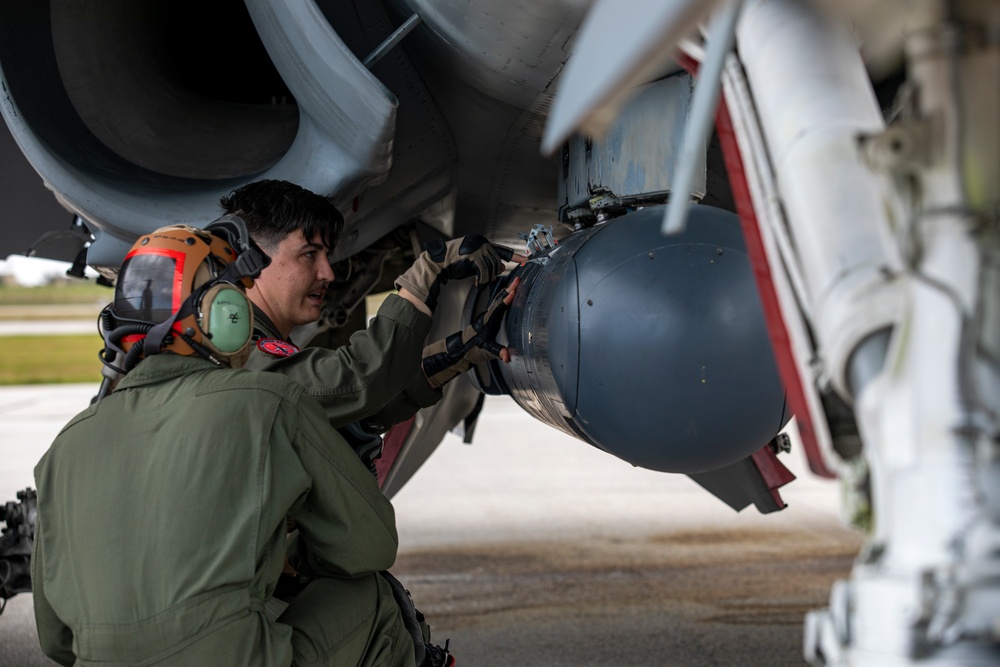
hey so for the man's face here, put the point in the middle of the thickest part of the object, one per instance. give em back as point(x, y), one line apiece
point(290, 290)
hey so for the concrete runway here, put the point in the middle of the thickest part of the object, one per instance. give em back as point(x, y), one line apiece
point(529, 547)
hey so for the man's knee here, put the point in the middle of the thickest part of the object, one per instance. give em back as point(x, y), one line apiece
point(348, 621)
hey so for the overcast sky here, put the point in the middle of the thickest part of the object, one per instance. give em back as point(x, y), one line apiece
point(33, 271)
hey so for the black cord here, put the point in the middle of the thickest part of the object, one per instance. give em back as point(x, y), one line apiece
point(200, 349)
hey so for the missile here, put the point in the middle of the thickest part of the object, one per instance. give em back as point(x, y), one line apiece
point(652, 348)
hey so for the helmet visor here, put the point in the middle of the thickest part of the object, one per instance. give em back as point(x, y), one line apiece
point(152, 287)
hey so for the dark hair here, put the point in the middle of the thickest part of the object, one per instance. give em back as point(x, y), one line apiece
point(274, 209)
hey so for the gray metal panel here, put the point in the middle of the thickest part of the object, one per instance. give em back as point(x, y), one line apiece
point(637, 157)
point(421, 183)
point(489, 67)
point(350, 116)
point(509, 50)
point(612, 54)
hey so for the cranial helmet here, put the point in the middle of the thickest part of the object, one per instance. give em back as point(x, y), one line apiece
point(179, 290)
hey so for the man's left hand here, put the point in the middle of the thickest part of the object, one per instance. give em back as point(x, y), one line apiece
point(476, 344)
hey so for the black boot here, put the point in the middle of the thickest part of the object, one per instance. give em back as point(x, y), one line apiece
point(435, 656)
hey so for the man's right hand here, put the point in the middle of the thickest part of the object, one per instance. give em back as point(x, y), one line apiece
point(456, 259)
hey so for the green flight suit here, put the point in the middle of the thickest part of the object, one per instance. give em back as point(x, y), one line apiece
point(375, 377)
point(162, 528)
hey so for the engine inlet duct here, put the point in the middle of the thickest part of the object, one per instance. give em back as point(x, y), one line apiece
point(652, 348)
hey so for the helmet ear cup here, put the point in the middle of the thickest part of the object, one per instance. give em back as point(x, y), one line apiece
point(226, 319)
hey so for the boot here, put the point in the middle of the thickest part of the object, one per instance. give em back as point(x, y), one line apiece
point(435, 656)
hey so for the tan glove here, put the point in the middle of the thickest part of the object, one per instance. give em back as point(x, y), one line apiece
point(457, 259)
point(476, 344)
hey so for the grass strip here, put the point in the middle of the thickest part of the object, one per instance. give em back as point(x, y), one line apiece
point(75, 292)
point(50, 359)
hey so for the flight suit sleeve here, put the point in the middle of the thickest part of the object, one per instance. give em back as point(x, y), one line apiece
point(377, 368)
point(347, 527)
point(54, 636)
point(417, 394)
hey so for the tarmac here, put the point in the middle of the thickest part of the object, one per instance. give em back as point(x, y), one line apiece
point(529, 547)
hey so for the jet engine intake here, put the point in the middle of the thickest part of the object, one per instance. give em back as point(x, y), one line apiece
point(651, 348)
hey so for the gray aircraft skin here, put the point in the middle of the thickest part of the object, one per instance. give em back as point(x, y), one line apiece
point(654, 349)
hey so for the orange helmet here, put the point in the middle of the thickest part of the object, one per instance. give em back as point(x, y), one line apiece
point(179, 290)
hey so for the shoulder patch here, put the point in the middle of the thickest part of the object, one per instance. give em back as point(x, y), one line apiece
point(276, 348)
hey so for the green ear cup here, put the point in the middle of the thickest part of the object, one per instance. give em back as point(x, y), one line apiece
point(227, 318)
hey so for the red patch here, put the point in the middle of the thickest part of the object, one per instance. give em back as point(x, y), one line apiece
point(276, 348)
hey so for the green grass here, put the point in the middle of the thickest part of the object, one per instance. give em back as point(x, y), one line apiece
point(87, 292)
point(50, 359)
